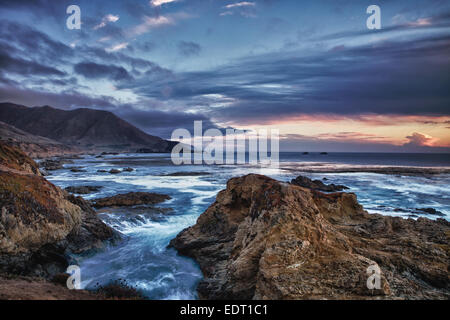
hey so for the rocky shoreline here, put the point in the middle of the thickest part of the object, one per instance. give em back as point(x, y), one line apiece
point(260, 239)
point(389, 170)
point(265, 239)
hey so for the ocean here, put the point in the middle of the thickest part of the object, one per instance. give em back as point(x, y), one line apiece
point(143, 259)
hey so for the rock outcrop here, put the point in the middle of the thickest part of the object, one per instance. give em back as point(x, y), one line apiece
point(83, 189)
point(318, 185)
point(131, 199)
point(264, 239)
point(40, 224)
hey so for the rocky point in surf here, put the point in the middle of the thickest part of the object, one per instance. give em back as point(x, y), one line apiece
point(265, 239)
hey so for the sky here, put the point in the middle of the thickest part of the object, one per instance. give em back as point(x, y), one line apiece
point(311, 69)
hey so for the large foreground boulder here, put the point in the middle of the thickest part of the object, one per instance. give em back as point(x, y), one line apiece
point(264, 239)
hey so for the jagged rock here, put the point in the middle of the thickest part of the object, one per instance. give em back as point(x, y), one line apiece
point(131, 199)
point(83, 189)
point(92, 233)
point(264, 239)
point(38, 224)
point(305, 182)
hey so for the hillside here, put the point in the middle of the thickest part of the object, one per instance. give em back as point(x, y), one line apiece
point(33, 146)
point(83, 128)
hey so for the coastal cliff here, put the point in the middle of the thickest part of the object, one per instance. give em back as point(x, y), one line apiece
point(40, 224)
point(265, 239)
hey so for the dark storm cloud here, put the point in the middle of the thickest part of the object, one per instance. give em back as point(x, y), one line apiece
point(25, 67)
point(31, 43)
point(92, 70)
point(27, 42)
point(188, 48)
point(404, 77)
point(39, 8)
point(64, 99)
point(163, 123)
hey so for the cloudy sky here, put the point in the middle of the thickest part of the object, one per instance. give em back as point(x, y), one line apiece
point(309, 68)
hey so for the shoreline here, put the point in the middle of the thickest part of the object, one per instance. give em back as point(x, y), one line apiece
point(320, 167)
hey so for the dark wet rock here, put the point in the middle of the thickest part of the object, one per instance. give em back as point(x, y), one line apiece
point(318, 185)
point(92, 233)
point(187, 174)
point(102, 171)
point(114, 171)
point(68, 159)
point(110, 154)
point(77, 169)
point(420, 211)
point(265, 239)
point(51, 165)
point(128, 169)
point(83, 189)
point(131, 199)
point(430, 211)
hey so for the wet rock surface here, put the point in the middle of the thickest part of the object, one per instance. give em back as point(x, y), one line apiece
point(264, 239)
point(83, 189)
point(305, 182)
point(130, 199)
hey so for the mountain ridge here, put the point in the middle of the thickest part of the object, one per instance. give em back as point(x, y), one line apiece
point(83, 128)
